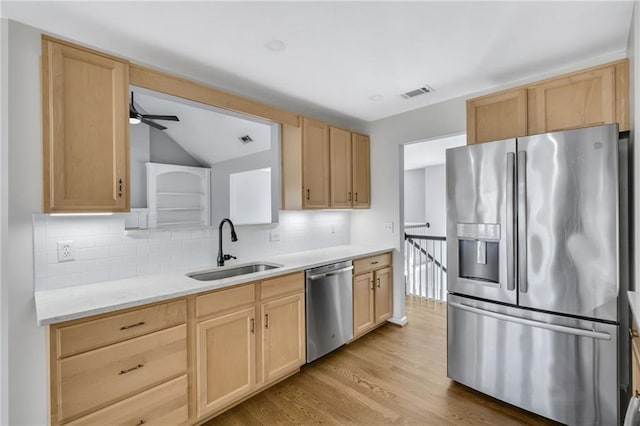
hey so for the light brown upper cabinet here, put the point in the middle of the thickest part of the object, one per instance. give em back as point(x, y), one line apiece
point(498, 116)
point(315, 164)
point(85, 130)
point(590, 97)
point(361, 172)
point(340, 153)
point(586, 98)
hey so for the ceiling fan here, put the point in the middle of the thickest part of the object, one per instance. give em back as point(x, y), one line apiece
point(135, 117)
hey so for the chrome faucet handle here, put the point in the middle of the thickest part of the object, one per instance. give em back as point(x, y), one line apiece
point(229, 257)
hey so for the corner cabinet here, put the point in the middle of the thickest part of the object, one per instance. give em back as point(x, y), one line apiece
point(361, 170)
point(324, 167)
point(85, 130)
point(590, 97)
point(372, 292)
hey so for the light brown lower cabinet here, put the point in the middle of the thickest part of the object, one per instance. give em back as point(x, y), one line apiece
point(166, 404)
point(372, 293)
point(283, 342)
point(209, 352)
point(226, 359)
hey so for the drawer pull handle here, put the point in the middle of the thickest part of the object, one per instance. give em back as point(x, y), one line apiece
point(375, 263)
point(308, 194)
point(141, 422)
point(120, 188)
point(126, 327)
point(130, 369)
point(266, 321)
point(371, 282)
point(253, 326)
point(378, 282)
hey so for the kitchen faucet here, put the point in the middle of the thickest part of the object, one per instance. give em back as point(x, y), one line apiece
point(221, 256)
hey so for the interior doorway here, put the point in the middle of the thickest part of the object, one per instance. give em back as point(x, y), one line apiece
point(424, 216)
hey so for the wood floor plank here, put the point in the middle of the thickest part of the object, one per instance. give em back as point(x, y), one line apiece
point(391, 376)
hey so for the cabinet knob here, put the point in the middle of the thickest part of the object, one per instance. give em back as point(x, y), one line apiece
point(141, 422)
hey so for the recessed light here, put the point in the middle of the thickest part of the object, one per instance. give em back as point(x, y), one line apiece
point(376, 98)
point(276, 45)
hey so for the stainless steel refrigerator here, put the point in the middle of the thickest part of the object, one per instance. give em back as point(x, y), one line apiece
point(537, 261)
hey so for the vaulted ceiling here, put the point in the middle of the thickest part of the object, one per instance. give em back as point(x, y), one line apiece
point(350, 59)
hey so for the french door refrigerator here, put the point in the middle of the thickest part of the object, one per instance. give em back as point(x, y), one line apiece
point(534, 247)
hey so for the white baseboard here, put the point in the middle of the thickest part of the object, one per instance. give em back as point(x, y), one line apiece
point(399, 321)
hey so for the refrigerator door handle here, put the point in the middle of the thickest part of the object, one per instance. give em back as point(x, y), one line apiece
point(522, 221)
point(511, 236)
point(532, 323)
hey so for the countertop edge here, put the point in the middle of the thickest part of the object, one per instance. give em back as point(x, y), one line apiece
point(46, 319)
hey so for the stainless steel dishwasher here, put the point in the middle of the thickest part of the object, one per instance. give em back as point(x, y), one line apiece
point(329, 306)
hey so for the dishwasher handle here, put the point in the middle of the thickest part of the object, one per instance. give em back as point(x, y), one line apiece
point(328, 274)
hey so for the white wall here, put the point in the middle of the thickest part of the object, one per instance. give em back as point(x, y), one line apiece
point(414, 193)
point(4, 197)
point(27, 390)
point(104, 251)
point(443, 119)
point(435, 200)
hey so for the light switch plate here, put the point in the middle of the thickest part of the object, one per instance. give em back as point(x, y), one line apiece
point(274, 236)
point(388, 227)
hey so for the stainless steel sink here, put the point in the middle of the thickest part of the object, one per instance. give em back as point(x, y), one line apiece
point(231, 271)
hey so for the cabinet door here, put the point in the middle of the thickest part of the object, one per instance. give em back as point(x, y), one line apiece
point(361, 171)
point(384, 294)
point(578, 100)
point(85, 130)
point(363, 296)
point(315, 164)
point(340, 153)
point(497, 117)
point(225, 351)
point(283, 342)
point(635, 362)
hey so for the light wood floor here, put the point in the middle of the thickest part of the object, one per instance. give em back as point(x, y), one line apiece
point(393, 375)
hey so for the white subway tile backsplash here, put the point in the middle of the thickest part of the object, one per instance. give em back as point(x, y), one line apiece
point(104, 251)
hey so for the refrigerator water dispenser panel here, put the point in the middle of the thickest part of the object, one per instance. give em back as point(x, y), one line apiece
point(478, 251)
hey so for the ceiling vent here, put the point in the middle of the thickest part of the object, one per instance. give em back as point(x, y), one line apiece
point(417, 92)
point(246, 139)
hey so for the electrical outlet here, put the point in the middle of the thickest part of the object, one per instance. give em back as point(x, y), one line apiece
point(388, 227)
point(274, 236)
point(65, 251)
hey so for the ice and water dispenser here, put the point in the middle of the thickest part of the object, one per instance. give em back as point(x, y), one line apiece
point(478, 251)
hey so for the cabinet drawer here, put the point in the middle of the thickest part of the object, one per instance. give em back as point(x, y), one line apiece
point(370, 263)
point(94, 334)
point(166, 404)
point(95, 379)
point(282, 285)
point(224, 300)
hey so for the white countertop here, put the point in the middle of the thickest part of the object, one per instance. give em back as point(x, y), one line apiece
point(634, 303)
point(81, 301)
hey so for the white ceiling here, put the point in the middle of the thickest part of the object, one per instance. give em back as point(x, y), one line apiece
point(430, 153)
point(207, 135)
point(339, 54)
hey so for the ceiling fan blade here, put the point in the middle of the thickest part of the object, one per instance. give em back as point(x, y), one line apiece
point(161, 117)
point(152, 124)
